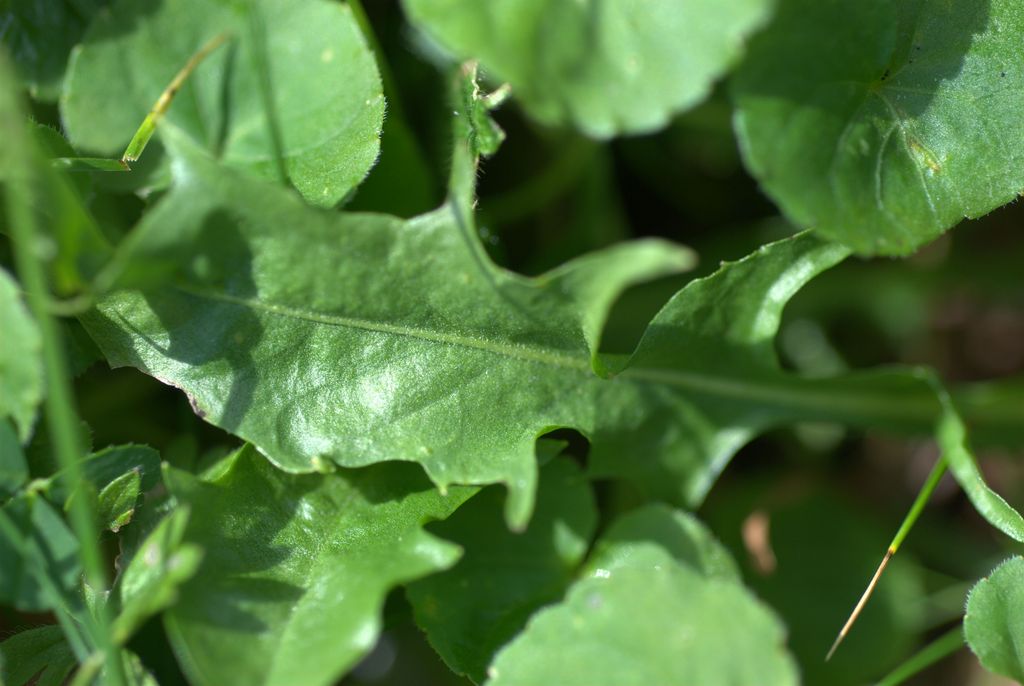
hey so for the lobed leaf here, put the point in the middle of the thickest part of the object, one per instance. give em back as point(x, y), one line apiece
point(296, 78)
point(397, 339)
point(421, 349)
point(882, 124)
point(661, 604)
point(296, 568)
point(607, 68)
point(994, 623)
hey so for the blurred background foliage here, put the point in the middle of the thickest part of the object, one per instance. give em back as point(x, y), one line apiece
point(808, 512)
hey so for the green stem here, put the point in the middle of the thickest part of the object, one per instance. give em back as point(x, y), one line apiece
point(945, 645)
point(922, 499)
point(56, 599)
point(60, 412)
point(908, 523)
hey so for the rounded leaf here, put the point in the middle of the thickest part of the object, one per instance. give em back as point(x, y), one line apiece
point(604, 67)
point(882, 124)
point(994, 624)
point(309, 59)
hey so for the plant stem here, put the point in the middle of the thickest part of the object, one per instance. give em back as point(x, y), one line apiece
point(908, 523)
point(945, 645)
point(60, 412)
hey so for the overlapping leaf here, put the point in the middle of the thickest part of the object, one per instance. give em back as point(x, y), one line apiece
point(400, 340)
point(607, 68)
point(471, 610)
point(41, 653)
point(21, 366)
point(154, 573)
point(882, 124)
point(296, 567)
point(70, 242)
point(994, 623)
point(294, 77)
point(39, 34)
point(13, 465)
point(396, 340)
point(39, 568)
point(660, 603)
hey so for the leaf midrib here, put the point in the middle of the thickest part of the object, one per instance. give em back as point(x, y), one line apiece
point(529, 353)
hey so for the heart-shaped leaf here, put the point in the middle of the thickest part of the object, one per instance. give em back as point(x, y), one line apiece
point(882, 124)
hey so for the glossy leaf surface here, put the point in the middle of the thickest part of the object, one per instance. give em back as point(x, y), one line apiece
point(296, 568)
point(882, 124)
point(660, 604)
point(994, 623)
point(404, 341)
point(308, 60)
point(605, 68)
point(471, 610)
point(394, 357)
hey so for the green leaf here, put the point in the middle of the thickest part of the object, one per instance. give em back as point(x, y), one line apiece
point(69, 240)
point(661, 604)
point(21, 367)
point(477, 606)
point(994, 623)
point(952, 439)
point(296, 568)
point(658, 535)
point(13, 467)
point(882, 123)
point(41, 651)
point(116, 502)
point(818, 551)
point(112, 474)
point(509, 356)
point(606, 68)
point(154, 574)
point(39, 35)
point(39, 566)
point(379, 301)
point(309, 57)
